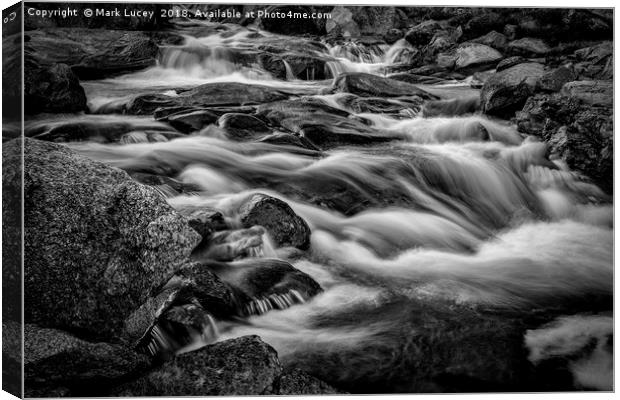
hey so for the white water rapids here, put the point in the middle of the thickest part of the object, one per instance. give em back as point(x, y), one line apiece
point(449, 216)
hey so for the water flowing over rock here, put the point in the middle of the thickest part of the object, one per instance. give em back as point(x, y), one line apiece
point(242, 366)
point(55, 359)
point(506, 91)
point(84, 219)
point(284, 226)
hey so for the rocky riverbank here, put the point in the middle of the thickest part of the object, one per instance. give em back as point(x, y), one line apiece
point(189, 185)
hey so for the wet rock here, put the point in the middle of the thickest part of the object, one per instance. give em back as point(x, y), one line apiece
point(579, 133)
point(421, 34)
point(294, 65)
point(296, 382)
point(207, 95)
point(242, 366)
point(552, 81)
point(393, 35)
point(92, 53)
point(242, 126)
point(380, 105)
point(529, 47)
point(368, 85)
point(230, 245)
point(470, 56)
point(287, 139)
point(596, 62)
point(510, 62)
point(192, 121)
point(53, 89)
point(53, 359)
point(596, 93)
point(204, 220)
point(451, 107)
point(284, 226)
point(117, 239)
point(167, 186)
point(493, 39)
point(505, 92)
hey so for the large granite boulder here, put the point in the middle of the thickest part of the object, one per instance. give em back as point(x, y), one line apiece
point(54, 359)
point(242, 366)
point(505, 92)
point(96, 242)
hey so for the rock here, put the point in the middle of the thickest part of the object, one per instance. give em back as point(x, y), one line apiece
point(294, 65)
point(529, 47)
point(167, 186)
point(475, 56)
point(204, 220)
point(242, 126)
point(53, 89)
point(552, 81)
point(210, 94)
point(421, 34)
point(374, 20)
point(481, 24)
point(342, 23)
point(510, 30)
point(393, 35)
point(579, 133)
point(117, 239)
point(379, 105)
point(242, 366)
point(54, 358)
point(596, 62)
point(284, 226)
point(596, 93)
point(230, 245)
point(441, 41)
point(92, 53)
point(192, 121)
point(493, 39)
point(287, 139)
point(296, 382)
point(505, 92)
point(367, 85)
point(510, 62)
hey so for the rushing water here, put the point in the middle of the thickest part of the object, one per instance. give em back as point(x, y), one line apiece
point(466, 229)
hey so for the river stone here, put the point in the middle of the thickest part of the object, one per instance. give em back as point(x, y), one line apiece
point(493, 39)
point(241, 366)
point(242, 126)
point(342, 22)
point(193, 121)
point(284, 226)
point(421, 34)
point(117, 239)
point(92, 53)
point(596, 93)
point(474, 55)
point(53, 358)
point(297, 382)
point(505, 92)
point(209, 94)
point(368, 85)
point(529, 47)
point(510, 62)
point(53, 89)
point(552, 81)
point(596, 62)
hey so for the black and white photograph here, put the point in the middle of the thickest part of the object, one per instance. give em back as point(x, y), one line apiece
point(204, 199)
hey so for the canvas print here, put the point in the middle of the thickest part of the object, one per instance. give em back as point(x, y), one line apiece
point(307, 199)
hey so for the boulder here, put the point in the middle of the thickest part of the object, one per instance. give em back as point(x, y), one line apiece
point(207, 95)
point(342, 23)
point(471, 56)
point(242, 126)
point(493, 39)
point(241, 366)
point(595, 62)
point(53, 89)
point(577, 132)
point(393, 35)
point(483, 23)
point(529, 47)
point(505, 92)
point(510, 62)
point(284, 226)
point(368, 85)
point(421, 34)
point(53, 359)
point(117, 239)
point(296, 382)
point(91, 53)
point(596, 93)
point(552, 81)
point(374, 20)
point(191, 121)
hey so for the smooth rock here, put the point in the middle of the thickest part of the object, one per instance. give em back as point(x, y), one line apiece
point(193, 121)
point(473, 55)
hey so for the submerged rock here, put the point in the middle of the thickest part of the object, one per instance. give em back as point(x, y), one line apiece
point(117, 240)
point(505, 92)
point(284, 226)
point(53, 359)
point(242, 366)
